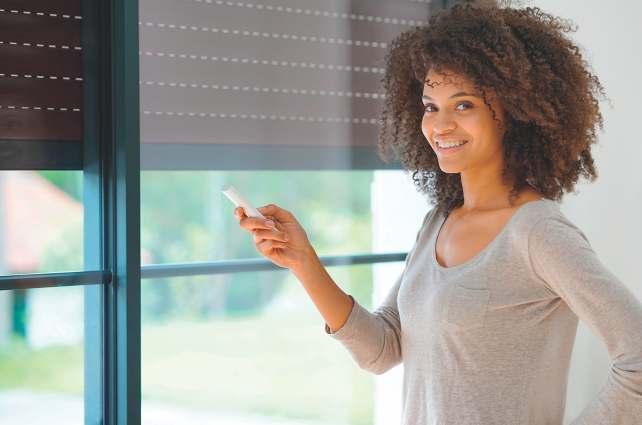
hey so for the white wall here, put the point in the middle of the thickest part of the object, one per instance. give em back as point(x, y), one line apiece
point(609, 210)
point(397, 212)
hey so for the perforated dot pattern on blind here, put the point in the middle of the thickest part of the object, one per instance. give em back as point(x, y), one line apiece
point(275, 73)
point(40, 70)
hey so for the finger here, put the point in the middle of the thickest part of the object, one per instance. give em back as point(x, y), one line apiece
point(239, 213)
point(268, 245)
point(277, 225)
point(275, 211)
point(268, 209)
point(269, 234)
point(252, 223)
point(260, 235)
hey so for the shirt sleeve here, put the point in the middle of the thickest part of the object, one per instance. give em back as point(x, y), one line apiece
point(562, 257)
point(374, 339)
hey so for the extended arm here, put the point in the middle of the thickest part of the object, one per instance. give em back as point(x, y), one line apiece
point(374, 339)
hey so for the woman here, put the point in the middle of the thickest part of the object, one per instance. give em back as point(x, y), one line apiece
point(494, 111)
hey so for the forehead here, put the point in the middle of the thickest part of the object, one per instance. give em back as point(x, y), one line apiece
point(436, 83)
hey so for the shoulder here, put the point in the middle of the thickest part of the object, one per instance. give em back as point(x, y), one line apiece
point(427, 223)
point(547, 228)
point(540, 223)
point(432, 217)
point(532, 214)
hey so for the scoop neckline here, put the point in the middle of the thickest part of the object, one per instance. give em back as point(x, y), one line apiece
point(486, 249)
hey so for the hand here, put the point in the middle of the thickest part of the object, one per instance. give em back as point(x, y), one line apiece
point(286, 244)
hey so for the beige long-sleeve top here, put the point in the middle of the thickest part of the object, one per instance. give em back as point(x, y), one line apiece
point(489, 341)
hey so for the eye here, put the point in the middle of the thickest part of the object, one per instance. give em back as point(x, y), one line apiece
point(429, 108)
point(462, 106)
point(465, 105)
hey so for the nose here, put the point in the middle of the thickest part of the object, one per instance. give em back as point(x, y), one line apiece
point(443, 123)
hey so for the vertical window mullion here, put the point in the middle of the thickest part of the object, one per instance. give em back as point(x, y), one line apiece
point(112, 211)
point(123, 299)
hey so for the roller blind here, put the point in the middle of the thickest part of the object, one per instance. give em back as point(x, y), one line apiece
point(40, 84)
point(261, 84)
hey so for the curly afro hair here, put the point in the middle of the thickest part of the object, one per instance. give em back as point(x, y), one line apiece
point(539, 76)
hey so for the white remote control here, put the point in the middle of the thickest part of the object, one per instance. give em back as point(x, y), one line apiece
point(238, 200)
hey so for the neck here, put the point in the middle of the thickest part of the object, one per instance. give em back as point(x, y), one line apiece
point(484, 190)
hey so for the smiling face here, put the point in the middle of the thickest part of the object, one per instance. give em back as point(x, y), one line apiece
point(454, 112)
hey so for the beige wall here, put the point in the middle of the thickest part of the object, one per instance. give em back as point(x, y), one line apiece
point(609, 210)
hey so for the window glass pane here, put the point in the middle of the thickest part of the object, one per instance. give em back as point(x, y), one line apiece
point(238, 347)
point(41, 221)
point(41, 356)
point(185, 217)
point(251, 348)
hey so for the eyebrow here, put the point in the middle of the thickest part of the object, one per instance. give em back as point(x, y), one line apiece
point(460, 94)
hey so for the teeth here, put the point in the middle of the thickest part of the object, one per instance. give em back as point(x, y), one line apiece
point(451, 144)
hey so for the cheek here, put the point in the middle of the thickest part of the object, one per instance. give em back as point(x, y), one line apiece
point(479, 127)
point(493, 132)
point(471, 123)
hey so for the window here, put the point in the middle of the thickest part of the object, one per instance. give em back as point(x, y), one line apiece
point(69, 263)
point(281, 100)
point(250, 346)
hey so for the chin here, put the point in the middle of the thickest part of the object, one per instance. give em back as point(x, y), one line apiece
point(452, 169)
